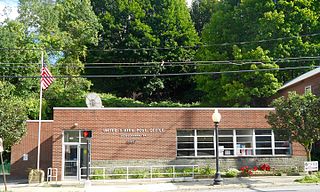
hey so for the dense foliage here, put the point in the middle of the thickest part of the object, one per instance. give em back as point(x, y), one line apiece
point(143, 37)
point(109, 100)
point(297, 117)
point(61, 31)
point(257, 35)
point(201, 12)
point(12, 115)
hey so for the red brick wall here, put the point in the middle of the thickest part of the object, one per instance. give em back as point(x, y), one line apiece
point(29, 145)
point(298, 150)
point(299, 87)
point(113, 146)
point(107, 145)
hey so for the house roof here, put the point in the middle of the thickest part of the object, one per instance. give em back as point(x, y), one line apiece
point(301, 77)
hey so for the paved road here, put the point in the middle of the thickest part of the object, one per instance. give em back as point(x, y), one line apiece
point(303, 188)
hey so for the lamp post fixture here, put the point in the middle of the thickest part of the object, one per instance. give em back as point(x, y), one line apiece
point(216, 117)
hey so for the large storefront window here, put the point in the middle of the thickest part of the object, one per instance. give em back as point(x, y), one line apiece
point(233, 142)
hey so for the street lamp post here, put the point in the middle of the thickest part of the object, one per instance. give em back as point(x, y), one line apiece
point(216, 117)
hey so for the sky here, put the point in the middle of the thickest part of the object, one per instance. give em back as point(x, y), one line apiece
point(12, 9)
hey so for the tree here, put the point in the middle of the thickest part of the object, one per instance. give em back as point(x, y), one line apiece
point(201, 12)
point(297, 117)
point(298, 22)
point(151, 34)
point(267, 31)
point(13, 115)
point(63, 30)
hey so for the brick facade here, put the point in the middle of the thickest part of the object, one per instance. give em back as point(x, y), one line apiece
point(128, 135)
point(299, 87)
point(28, 145)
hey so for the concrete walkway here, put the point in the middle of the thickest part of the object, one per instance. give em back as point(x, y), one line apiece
point(150, 186)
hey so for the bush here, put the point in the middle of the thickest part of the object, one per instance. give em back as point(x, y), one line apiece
point(158, 173)
point(140, 174)
point(265, 167)
point(98, 174)
point(246, 171)
point(7, 167)
point(232, 173)
point(309, 179)
point(121, 174)
point(207, 170)
point(110, 100)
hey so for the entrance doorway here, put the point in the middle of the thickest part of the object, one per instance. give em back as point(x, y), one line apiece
point(74, 155)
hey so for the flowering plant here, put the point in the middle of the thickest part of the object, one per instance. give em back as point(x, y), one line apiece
point(246, 171)
point(265, 167)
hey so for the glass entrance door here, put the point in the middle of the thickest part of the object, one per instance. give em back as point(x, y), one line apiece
point(75, 155)
point(71, 160)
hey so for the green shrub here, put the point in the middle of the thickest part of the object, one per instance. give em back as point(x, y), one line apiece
point(207, 170)
point(109, 100)
point(121, 174)
point(185, 172)
point(309, 179)
point(7, 167)
point(98, 174)
point(157, 173)
point(232, 172)
point(140, 174)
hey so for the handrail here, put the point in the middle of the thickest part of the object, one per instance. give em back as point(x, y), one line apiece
point(52, 173)
point(150, 172)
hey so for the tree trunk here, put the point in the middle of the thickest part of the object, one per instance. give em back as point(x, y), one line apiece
point(308, 149)
point(308, 155)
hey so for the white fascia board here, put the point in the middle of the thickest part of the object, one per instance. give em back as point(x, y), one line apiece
point(164, 108)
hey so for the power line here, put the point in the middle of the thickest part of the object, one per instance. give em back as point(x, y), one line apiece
point(169, 48)
point(164, 64)
point(167, 74)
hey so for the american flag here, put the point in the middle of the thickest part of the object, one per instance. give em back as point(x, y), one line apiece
point(46, 77)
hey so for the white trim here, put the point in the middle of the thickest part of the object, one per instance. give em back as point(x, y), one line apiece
point(36, 121)
point(163, 108)
point(63, 156)
point(301, 78)
point(252, 140)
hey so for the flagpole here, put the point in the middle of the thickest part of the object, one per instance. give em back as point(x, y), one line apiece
point(40, 109)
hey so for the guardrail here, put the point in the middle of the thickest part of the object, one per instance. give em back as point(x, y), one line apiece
point(141, 172)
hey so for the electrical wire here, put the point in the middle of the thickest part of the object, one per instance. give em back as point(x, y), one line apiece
point(169, 48)
point(167, 74)
point(163, 63)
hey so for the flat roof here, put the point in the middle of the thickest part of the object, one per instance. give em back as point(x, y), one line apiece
point(160, 108)
point(35, 121)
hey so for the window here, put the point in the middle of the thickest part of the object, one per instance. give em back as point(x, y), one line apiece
point(233, 142)
point(282, 147)
point(205, 144)
point(186, 143)
point(73, 136)
point(263, 142)
point(226, 140)
point(244, 142)
point(307, 89)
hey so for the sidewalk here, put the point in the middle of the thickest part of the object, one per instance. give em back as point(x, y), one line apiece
point(151, 186)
